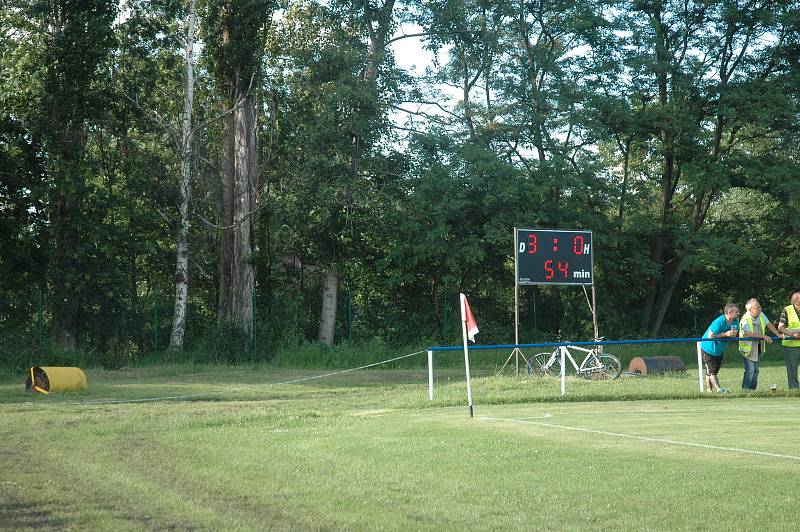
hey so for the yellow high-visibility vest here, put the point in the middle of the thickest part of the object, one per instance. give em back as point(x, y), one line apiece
point(747, 345)
point(793, 323)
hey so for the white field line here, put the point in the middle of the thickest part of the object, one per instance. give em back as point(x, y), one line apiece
point(643, 438)
point(736, 408)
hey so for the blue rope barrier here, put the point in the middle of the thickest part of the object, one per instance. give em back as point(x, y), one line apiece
point(597, 342)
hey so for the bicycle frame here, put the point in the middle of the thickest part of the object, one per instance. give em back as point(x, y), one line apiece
point(595, 365)
point(591, 354)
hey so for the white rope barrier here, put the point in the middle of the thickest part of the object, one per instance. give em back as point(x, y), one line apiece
point(207, 394)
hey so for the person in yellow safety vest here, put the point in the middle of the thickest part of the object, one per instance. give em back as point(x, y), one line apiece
point(754, 324)
point(789, 324)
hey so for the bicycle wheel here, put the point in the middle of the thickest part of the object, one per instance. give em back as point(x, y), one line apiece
point(537, 365)
point(609, 367)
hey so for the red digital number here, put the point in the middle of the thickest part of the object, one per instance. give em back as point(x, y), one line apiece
point(577, 245)
point(548, 269)
point(532, 243)
point(564, 269)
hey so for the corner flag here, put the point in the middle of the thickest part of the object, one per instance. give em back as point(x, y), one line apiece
point(469, 327)
point(468, 318)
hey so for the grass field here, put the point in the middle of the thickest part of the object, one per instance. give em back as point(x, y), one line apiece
point(367, 450)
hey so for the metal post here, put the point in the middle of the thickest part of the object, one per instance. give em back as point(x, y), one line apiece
point(563, 372)
point(430, 375)
point(253, 324)
point(594, 312)
point(516, 303)
point(155, 325)
point(700, 367)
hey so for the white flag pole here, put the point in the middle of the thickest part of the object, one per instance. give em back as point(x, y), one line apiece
point(466, 351)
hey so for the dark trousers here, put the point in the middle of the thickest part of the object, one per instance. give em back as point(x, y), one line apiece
point(712, 363)
point(791, 355)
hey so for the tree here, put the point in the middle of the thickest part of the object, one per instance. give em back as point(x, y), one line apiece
point(699, 67)
point(187, 135)
point(78, 41)
point(333, 81)
point(528, 61)
point(235, 34)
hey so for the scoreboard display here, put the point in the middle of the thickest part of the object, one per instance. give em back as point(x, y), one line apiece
point(554, 256)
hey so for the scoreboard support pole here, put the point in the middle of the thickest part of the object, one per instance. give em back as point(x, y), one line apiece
point(594, 312)
point(593, 308)
point(516, 352)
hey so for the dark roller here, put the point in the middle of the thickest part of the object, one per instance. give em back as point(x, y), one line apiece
point(654, 365)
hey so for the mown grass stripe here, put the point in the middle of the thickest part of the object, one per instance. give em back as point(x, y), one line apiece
point(643, 438)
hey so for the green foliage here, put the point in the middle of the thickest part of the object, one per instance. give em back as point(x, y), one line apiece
point(671, 130)
point(23, 193)
point(235, 32)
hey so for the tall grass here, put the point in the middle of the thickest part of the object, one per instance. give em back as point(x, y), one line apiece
point(228, 346)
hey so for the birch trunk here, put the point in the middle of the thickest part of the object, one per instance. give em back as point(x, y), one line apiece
point(182, 259)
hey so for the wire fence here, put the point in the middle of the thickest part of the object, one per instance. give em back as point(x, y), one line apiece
point(590, 343)
point(430, 350)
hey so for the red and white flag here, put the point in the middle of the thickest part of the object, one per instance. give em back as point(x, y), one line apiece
point(468, 319)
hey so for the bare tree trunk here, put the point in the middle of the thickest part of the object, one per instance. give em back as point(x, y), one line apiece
point(327, 322)
point(225, 312)
point(65, 326)
point(238, 172)
point(672, 274)
point(182, 259)
point(241, 268)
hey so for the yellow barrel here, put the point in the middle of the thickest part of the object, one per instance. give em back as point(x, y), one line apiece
point(48, 379)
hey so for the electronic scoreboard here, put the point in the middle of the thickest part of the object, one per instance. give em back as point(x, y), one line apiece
point(554, 256)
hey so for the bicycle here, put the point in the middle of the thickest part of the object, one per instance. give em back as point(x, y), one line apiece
point(595, 365)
